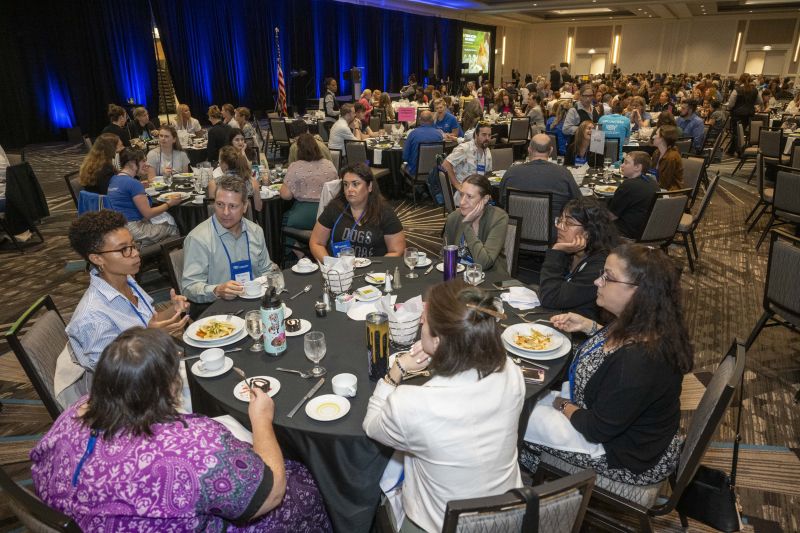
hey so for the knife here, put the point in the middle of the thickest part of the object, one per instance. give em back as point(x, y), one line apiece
point(310, 393)
point(429, 270)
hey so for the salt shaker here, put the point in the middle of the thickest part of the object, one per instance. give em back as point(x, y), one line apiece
point(387, 284)
point(326, 296)
point(397, 283)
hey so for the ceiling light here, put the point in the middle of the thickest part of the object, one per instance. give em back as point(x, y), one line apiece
point(767, 48)
point(592, 50)
point(638, 9)
point(582, 11)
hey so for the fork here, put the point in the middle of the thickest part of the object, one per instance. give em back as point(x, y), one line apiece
point(244, 376)
point(298, 372)
point(526, 313)
point(521, 362)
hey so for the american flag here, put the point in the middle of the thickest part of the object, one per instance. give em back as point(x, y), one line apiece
point(281, 81)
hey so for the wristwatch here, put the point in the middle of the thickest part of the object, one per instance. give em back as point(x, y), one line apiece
point(563, 405)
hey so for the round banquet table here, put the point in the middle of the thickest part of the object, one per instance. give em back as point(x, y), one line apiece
point(345, 462)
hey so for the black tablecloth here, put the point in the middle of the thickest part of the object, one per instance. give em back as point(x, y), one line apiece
point(391, 159)
point(345, 462)
point(197, 155)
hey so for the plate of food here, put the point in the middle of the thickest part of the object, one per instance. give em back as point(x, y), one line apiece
point(534, 338)
point(242, 390)
point(382, 145)
point(167, 196)
point(361, 262)
point(215, 328)
point(275, 187)
point(605, 189)
point(377, 278)
point(183, 175)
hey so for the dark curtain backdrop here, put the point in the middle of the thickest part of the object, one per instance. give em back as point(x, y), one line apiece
point(225, 52)
point(63, 63)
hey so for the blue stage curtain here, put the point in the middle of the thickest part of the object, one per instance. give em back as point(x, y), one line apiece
point(64, 62)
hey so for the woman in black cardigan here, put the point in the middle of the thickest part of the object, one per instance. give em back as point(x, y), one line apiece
point(586, 236)
point(625, 381)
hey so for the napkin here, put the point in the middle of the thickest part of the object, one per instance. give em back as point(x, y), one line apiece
point(554, 430)
point(342, 265)
point(305, 263)
point(410, 310)
point(521, 298)
point(267, 193)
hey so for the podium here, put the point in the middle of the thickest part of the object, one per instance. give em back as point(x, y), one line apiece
point(354, 75)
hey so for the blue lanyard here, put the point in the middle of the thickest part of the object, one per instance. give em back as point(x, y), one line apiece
point(333, 230)
point(596, 340)
point(141, 299)
point(86, 454)
point(246, 240)
point(159, 160)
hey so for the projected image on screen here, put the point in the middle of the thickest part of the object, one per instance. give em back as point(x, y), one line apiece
point(475, 49)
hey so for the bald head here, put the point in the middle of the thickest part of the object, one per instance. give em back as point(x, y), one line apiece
point(426, 117)
point(540, 146)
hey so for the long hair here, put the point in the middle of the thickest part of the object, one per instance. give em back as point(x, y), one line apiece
point(581, 143)
point(601, 232)
point(469, 338)
point(101, 154)
point(472, 114)
point(135, 384)
point(176, 144)
point(235, 161)
point(307, 148)
point(375, 203)
point(654, 316)
point(179, 121)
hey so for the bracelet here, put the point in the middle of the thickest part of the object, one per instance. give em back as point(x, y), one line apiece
point(563, 405)
point(593, 330)
point(388, 379)
point(402, 370)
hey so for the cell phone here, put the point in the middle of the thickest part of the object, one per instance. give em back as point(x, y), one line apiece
point(508, 283)
point(535, 375)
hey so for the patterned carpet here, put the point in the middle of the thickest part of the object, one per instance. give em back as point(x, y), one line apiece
point(722, 300)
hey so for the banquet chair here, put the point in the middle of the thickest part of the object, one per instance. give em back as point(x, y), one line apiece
point(25, 204)
point(786, 200)
point(554, 507)
point(755, 130)
point(33, 513)
point(611, 149)
point(766, 196)
point(689, 223)
point(536, 211)
point(447, 193)
point(769, 147)
point(280, 134)
point(73, 185)
point(711, 153)
point(426, 161)
point(684, 145)
point(356, 152)
point(37, 345)
point(511, 245)
point(664, 218)
point(745, 152)
point(336, 157)
point(781, 302)
point(518, 131)
point(795, 159)
point(643, 501)
point(324, 130)
point(172, 253)
point(692, 171)
point(374, 123)
point(502, 158)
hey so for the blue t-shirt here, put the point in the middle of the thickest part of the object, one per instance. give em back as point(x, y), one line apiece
point(121, 190)
point(616, 127)
point(448, 124)
point(557, 130)
point(417, 136)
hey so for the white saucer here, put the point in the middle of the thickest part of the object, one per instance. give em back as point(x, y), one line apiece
point(241, 392)
point(216, 344)
point(361, 298)
point(227, 365)
point(360, 310)
point(327, 407)
point(563, 350)
point(369, 279)
point(440, 267)
point(361, 262)
point(305, 327)
point(314, 268)
point(425, 263)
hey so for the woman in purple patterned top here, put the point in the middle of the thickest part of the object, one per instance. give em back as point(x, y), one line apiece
point(124, 459)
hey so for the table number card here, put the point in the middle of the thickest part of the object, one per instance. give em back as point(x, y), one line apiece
point(406, 114)
point(598, 142)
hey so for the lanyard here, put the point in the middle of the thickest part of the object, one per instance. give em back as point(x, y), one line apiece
point(141, 299)
point(333, 230)
point(596, 340)
point(86, 454)
point(160, 170)
point(577, 268)
point(228, 255)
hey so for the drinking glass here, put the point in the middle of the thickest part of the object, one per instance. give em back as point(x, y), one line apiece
point(473, 274)
point(279, 167)
point(168, 178)
point(275, 278)
point(411, 256)
point(560, 160)
point(198, 185)
point(255, 328)
point(347, 252)
point(314, 346)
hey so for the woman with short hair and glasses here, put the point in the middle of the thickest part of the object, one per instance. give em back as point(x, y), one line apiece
point(621, 404)
point(586, 235)
point(114, 302)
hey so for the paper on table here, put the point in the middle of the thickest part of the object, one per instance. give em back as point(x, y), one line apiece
point(521, 298)
point(377, 158)
point(598, 142)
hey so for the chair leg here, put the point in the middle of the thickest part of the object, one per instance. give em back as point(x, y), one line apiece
point(752, 212)
point(766, 230)
point(684, 520)
point(645, 525)
point(752, 173)
point(758, 217)
point(694, 244)
point(741, 163)
point(757, 329)
point(688, 252)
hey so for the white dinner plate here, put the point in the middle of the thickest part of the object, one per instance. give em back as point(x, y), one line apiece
point(360, 310)
point(605, 189)
point(327, 407)
point(235, 321)
point(361, 262)
point(167, 195)
point(241, 391)
point(305, 327)
point(227, 365)
point(556, 338)
point(426, 262)
point(215, 344)
point(377, 278)
point(440, 267)
point(184, 175)
point(314, 268)
point(555, 354)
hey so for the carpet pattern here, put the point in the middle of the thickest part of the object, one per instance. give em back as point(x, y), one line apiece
point(722, 300)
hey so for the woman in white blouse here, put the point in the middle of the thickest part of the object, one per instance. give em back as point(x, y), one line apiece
point(458, 431)
point(185, 121)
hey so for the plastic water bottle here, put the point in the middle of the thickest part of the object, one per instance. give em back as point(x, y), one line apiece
point(274, 326)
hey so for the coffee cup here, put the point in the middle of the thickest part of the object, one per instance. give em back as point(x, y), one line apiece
point(421, 257)
point(199, 198)
point(212, 359)
point(345, 385)
point(252, 288)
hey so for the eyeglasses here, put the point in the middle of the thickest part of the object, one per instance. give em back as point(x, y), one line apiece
point(563, 222)
point(126, 251)
point(604, 278)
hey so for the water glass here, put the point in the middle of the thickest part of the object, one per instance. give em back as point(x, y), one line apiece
point(411, 256)
point(314, 346)
point(347, 252)
point(255, 328)
point(198, 185)
point(560, 160)
point(275, 278)
point(473, 274)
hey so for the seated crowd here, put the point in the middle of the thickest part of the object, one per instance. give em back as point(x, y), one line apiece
point(130, 410)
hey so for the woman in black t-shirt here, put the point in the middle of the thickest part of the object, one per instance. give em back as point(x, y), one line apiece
point(358, 218)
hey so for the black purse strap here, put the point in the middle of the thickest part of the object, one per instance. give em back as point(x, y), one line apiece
point(530, 521)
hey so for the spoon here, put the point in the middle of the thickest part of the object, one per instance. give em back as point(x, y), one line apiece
point(305, 290)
